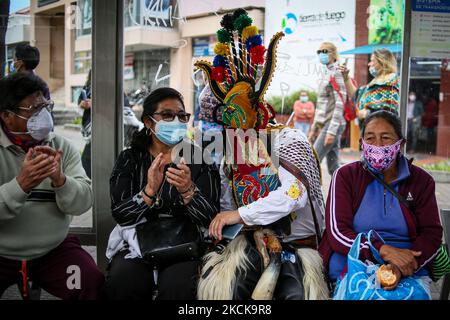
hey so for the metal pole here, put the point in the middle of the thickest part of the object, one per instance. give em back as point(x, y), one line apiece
point(405, 65)
point(107, 111)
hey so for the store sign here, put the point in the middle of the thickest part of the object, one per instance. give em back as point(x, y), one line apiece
point(306, 25)
point(204, 46)
point(386, 19)
point(128, 70)
point(430, 29)
point(201, 47)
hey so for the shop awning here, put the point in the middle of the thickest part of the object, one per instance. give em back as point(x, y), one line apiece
point(368, 49)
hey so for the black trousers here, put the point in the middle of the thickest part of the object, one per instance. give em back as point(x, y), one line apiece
point(132, 279)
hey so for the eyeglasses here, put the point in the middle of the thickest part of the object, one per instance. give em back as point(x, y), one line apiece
point(322, 51)
point(170, 116)
point(49, 105)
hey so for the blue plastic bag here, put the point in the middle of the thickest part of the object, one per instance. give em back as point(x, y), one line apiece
point(361, 281)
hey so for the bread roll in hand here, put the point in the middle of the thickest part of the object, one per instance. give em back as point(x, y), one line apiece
point(386, 276)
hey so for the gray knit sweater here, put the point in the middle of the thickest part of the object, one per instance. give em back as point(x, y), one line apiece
point(32, 224)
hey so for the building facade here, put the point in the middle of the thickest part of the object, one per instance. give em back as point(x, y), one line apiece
point(162, 39)
point(18, 33)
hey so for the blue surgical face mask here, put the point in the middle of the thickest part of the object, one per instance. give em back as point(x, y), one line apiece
point(373, 71)
point(304, 98)
point(324, 58)
point(170, 132)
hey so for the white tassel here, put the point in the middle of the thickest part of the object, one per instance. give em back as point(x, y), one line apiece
point(220, 282)
point(313, 281)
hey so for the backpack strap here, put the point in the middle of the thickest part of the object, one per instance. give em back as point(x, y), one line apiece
point(336, 88)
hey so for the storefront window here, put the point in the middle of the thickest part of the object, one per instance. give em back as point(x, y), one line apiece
point(84, 17)
point(429, 86)
point(82, 61)
point(149, 13)
point(75, 93)
point(42, 3)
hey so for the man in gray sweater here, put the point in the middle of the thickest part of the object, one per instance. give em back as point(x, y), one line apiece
point(42, 186)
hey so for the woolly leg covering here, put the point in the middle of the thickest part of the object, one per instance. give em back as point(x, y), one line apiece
point(218, 274)
point(314, 279)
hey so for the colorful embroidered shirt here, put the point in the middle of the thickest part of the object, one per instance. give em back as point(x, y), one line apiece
point(290, 198)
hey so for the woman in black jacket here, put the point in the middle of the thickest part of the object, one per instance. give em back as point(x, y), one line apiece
point(148, 183)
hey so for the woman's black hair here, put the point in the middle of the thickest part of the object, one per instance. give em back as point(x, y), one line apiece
point(388, 116)
point(140, 139)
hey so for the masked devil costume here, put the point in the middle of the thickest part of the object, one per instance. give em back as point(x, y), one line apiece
point(275, 202)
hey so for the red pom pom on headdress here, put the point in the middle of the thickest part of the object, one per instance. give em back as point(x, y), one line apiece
point(257, 54)
point(218, 74)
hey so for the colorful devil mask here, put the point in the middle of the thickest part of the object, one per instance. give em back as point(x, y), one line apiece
point(241, 60)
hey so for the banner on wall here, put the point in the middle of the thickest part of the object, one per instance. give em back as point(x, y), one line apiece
point(128, 69)
point(430, 29)
point(386, 19)
point(306, 25)
point(204, 46)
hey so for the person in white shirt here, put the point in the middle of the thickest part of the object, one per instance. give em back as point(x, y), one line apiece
point(289, 199)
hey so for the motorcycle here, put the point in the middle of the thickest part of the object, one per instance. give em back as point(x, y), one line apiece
point(137, 98)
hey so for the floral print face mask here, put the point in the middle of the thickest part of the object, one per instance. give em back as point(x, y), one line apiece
point(380, 158)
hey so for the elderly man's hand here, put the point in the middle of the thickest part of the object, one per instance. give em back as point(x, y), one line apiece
point(36, 168)
point(58, 178)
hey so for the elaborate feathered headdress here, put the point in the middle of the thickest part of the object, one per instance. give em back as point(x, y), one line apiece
point(240, 56)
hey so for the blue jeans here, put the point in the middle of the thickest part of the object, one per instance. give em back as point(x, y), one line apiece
point(302, 126)
point(330, 151)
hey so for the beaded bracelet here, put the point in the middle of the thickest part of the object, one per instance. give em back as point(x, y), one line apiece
point(191, 187)
point(189, 196)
